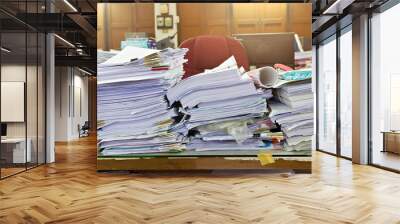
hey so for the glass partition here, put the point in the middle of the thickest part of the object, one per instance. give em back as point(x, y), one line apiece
point(22, 77)
point(346, 92)
point(327, 96)
point(15, 149)
point(32, 98)
point(385, 89)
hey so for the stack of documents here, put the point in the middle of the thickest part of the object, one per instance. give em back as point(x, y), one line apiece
point(222, 110)
point(303, 59)
point(292, 110)
point(103, 56)
point(133, 114)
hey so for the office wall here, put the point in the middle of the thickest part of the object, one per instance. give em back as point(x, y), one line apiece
point(12, 73)
point(202, 18)
point(92, 107)
point(71, 102)
point(163, 33)
point(227, 19)
point(123, 18)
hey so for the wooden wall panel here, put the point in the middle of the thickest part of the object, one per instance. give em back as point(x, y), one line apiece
point(272, 17)
point(259, 18)
point(227, 18)
point(206, 18)
point(245, 18)
point(92, 107)
point(300, 19)
point(100, 26)
point(121, 19)
point(190, 22)
point(143, 18)
point(217, 19)
point(203, 18)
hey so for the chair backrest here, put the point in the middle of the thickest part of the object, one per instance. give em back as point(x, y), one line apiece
point(207, 52)
point(86, 125)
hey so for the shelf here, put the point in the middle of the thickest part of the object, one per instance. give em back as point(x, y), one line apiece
point(226, 153)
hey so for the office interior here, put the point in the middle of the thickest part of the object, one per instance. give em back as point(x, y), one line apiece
point(359, 44)
point(47, 83)
point(48, 77)
point(212, 33)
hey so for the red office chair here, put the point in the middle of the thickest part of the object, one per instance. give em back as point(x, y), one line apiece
point(207, 52)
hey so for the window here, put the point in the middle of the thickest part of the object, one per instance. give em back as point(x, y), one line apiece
point(327, 96)
point(385, 89)
point(346, 92)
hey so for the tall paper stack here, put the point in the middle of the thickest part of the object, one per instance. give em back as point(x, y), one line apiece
point(133, 114)
point(293, 111)
point(223, 110)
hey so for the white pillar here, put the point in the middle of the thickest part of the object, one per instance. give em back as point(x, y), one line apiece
point(50, 99)
point(360, 90)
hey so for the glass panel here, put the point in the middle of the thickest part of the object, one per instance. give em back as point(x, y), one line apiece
point(32, 96)
point(385, 84)
point(13, 87)
point(327, 96)
point(346, 93)
point(41, 99)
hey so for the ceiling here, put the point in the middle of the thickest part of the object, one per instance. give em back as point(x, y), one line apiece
point(330, 15)
point(74, 22)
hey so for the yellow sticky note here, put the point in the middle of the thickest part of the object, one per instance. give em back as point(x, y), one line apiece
point(265, 158)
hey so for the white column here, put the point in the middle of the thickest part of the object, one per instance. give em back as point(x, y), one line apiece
point(50, 99)
point(360, 90)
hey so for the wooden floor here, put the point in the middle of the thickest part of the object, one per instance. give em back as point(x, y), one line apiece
point(71, 191)
point(387, 159)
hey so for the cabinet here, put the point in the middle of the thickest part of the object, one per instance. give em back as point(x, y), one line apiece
point(259, 18)
point(391, 142)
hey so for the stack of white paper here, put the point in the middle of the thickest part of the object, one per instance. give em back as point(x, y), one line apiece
point(133, 114)
point(221, 109)
point(293, 111)
point(303, 59)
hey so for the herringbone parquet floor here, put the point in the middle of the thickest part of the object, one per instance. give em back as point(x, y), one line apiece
point(71, 191)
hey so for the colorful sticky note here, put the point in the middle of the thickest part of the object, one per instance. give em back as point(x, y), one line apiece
point(265, 158)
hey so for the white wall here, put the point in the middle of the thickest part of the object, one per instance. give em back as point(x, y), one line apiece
point(14, 73)
point(69, 82)
point(34, 125)
point(161, 34)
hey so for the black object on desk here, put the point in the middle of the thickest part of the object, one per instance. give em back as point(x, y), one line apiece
point(391, 141)
point(3, 129)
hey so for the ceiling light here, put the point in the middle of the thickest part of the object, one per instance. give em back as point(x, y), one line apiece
point(70, 5)
point(64, 40)
point(337, 7)
point(84, 71)
point(5, 50)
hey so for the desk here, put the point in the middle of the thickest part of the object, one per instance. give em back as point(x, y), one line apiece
point(18, 151)
point(391, 141)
